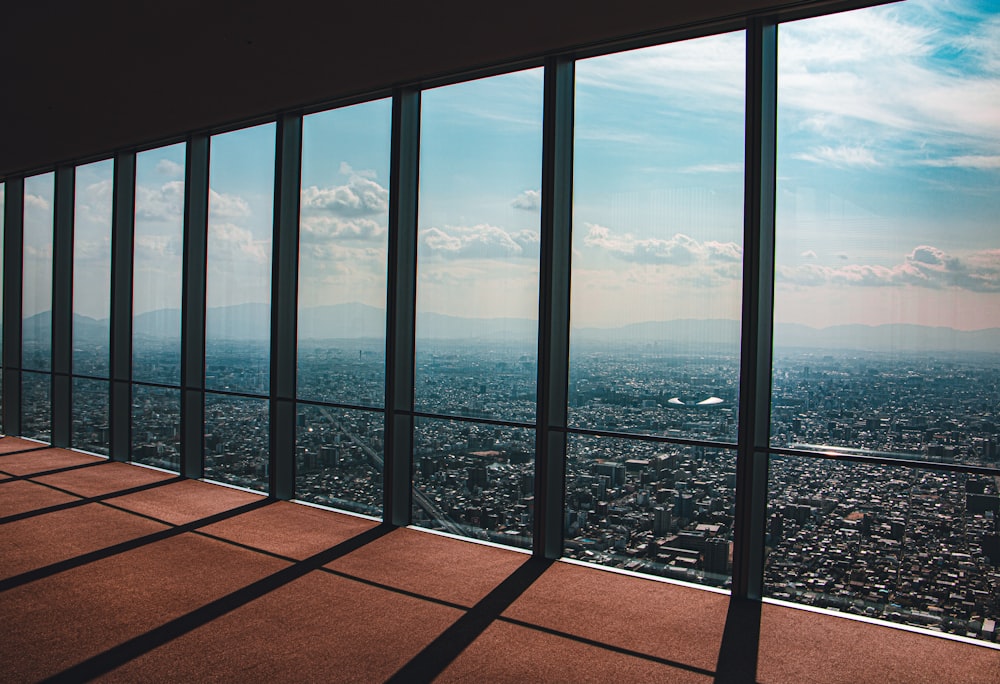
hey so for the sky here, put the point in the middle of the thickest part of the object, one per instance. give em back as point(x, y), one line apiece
point(888, 189)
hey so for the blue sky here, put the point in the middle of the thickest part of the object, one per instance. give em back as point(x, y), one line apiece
point(888, 185)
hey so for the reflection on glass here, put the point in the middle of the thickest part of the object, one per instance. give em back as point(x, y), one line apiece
point(887, 297)
point(92, 269)
point(478, 232)
point(240, 224)
point(474, 480)
point(237, 441)
point(343, 233)
point(659, 509)
point(339, 458)
point(910, 546)
point(36, 406)
point(156, 427)
point(91, 431)
point(157, 258)
point(36, 298)
point(658, 239)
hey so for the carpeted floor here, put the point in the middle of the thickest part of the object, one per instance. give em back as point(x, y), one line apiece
point(115, 572)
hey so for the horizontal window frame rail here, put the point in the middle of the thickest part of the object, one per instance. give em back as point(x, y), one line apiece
point(229, 393)
point(151, 383)
point(81, 376)
point(833, 455)
point(499, 422)
point(680, 441)
point(336, 405)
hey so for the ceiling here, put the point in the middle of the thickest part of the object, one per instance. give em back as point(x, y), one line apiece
point(82, 80)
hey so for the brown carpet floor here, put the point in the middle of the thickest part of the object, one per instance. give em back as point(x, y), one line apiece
point(114, 572)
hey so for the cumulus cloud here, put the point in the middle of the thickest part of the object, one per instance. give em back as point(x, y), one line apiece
point(481, 241)
point(156, 247)
point(925, 266)
point(36, 202)
point(808, 254)
point(222, 205)
point(228, 241)
point(362, 195)
point(172, 169)
point(679, 250)
point(529, 200)
point(163, 203)
point(317, 229)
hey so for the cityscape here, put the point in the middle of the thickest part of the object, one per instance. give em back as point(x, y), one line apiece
point(912, 545)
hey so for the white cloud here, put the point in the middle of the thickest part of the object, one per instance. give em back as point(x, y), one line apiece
point(166, 167)
point(227, 206)
point(968, 161)
point(679, 250)
point(909, 75)
point(163, 203)
point(230, 242)
point(317, 229)
point(734, 167)
point(360, 196)
point(841, 156)
point(924, 266)
point(529, 200)
point(808, 254)
point(481, 241)
point(36, 202)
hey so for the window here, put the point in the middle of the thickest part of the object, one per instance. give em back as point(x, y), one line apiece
point(156, 306)
point(92, 305)
point(477, 305)
point(887, 304)
point(656, 297)
point(343, 241)
point(36, 307)
point(237, 321)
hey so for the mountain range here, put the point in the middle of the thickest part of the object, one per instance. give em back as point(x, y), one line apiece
point(355, 321)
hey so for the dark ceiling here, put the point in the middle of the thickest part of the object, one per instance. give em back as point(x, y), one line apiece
point(86, 78)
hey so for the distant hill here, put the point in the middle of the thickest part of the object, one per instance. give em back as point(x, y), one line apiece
point(354, 321)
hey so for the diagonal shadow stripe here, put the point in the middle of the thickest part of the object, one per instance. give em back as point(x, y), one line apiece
point(737, 662)
point(133, 648)
point(40, 447)
point(100, 554)
point(88, 500)
point(54, 471)
point(608, 647)
point(440, 653)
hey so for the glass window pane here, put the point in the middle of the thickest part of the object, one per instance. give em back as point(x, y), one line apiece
point(158, 253)
point(339, 458)
point(343, 238)
point(36, 406)
point(92, 268)
point(36, 298)
point(91, 430)
point(887, 302)
point(156, 427)
point(658, 239)
point(240, 224)
point(237, 441)
point(477, 276)
point(660, 509)
point(911, 546)
point(474, 480)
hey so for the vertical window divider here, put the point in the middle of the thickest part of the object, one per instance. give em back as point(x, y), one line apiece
point(62, 308)
point(553, 306)
point(193, 307)
point(284, 303)
point(122, 242)
point(401, 306)
point(758, 304)
point(13, 275)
